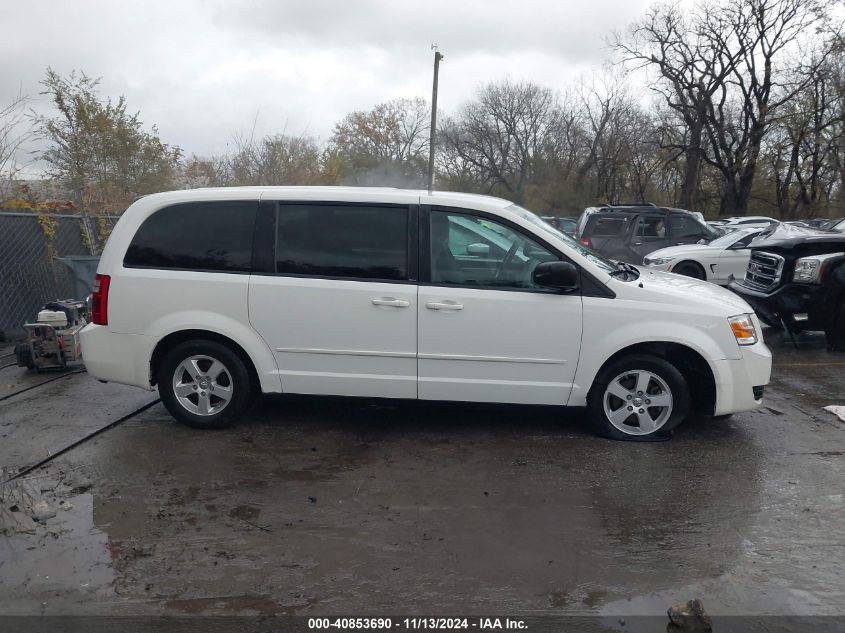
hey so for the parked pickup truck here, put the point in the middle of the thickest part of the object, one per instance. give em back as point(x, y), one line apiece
point(796, 280)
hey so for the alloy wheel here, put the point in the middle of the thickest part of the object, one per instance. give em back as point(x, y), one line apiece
point(202, 385)
point(637, 402)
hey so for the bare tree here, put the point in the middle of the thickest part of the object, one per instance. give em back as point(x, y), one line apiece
point(692, 65)
point(728, 71)
point(15, 129)
point(768, 72)
point(206, 172)
point(805, 142)
point(279, 159)
point(499, 137)
point(386, 145)
point(608, 116)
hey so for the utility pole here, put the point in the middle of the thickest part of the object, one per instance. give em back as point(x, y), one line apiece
point(437, 58)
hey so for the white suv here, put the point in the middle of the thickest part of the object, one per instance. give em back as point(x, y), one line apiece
point(213, 295)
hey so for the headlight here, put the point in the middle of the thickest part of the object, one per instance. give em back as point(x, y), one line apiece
point(657, 261)
point(808, 270)
point(743, 329)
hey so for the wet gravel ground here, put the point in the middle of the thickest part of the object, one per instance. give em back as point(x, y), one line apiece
point(328, 505)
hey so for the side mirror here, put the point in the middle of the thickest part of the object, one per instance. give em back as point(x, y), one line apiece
point(701, 241)
point(558, 275)
point(478, 250)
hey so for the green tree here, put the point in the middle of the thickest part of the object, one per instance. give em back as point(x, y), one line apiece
point(99, 151)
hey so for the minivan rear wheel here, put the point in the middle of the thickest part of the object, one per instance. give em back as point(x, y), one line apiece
point(204, 384)
point(639, 397)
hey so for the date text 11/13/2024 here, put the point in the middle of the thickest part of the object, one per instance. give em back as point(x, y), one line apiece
point(420, 623)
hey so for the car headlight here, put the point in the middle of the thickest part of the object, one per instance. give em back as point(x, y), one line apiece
point(808, 270)
point(743, 329)
point(657, 261)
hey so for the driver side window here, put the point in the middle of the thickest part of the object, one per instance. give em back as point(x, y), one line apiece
point(468, 250)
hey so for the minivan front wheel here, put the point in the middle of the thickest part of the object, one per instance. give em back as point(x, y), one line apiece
point(638, 397)
point(204, 384)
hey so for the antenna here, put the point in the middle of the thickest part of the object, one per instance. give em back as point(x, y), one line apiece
point(437, 57)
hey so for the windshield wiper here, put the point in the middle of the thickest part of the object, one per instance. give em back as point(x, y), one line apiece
point(623, 269)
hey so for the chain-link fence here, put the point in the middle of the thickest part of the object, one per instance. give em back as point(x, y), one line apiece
point(30, 273)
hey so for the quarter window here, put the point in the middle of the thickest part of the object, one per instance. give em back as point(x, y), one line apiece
point(468, 250)
point(357, 242)
point(196, 236)
point(606, 227)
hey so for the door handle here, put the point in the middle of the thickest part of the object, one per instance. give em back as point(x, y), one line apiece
point(434, 305)
point(637, 244)
point(391, 302)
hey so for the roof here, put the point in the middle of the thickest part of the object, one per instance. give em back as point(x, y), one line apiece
point(636, 208)
point(378, 194)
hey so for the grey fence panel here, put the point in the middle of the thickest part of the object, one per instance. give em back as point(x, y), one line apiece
point(29, 276)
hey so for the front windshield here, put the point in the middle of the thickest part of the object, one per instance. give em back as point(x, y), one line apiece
point(729, 239)
point(594, 257)
point(709, 230)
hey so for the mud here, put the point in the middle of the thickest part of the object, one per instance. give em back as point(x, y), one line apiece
point(326, 506)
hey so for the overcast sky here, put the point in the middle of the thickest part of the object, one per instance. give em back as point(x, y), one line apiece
point(202, 70)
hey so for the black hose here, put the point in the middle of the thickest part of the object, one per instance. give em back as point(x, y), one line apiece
point(108, 426)
point(44, 382)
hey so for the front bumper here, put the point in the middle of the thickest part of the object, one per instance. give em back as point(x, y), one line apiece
point(739, 383)
point(787, 300)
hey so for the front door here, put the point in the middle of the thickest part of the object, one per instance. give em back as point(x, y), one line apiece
point(734, 259)
point(685, 229)
point(486, 331)
point(340, 310)
point(649, 234)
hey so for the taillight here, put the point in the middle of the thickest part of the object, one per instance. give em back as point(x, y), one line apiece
point(586, 242)
point(100, 300)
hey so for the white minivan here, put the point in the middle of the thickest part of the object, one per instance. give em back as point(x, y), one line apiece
point(215, 295)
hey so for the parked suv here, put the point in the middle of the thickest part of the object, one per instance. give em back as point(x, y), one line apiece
point(630, 232)
point(216, 294)
point(796, 279)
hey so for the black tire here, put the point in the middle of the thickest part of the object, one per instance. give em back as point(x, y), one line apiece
point(835, 333)
point(23, 356)
point(690, 269)
point(666, 372)
point(237, 377)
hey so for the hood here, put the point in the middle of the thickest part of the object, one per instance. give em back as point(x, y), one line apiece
point(786, 237)
point(662, 287)
point(684, 250)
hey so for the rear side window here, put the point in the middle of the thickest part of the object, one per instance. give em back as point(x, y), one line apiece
point(651, 226)
point(350, 241)
point(213, 236)
point(605, 227)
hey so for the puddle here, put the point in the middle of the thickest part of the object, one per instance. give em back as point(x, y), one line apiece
point(64, 557)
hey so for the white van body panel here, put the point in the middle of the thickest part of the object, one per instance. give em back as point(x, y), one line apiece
point(327, 336)
point(500, 346)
